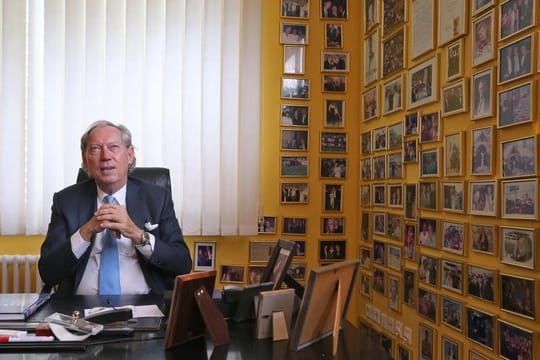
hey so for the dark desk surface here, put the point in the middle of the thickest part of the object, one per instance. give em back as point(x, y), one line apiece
point(149, 345)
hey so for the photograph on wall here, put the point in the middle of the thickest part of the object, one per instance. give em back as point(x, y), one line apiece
point(206, 256)
point(515, 16)
point(300, 249)
point(392, 95)
point(452, 275)
point(297, 271)
point(453, 156)
point(453, 236)
point(332, 250)
point(295, 9)
point(451, 349)
point(379, 278)
point(333, 168)
point(371, 58)
point(393, 14)
point(429, 127)
point(379, 194)
point(255, 274)
point(429, 163)
point(365, 143)
point(371, 14)
point(334, 61)
point(294, 166)
point(422, 37)
point(332, 225)
point(481, 283)
point(453, 194)
point(334, 113)
point(232, 274)
point(480, 5)
point(294, 225)
point(267, 225)
point(481, 150)
point(411, 124)
point(483, 41)
point(422, 84)
point(294, 193)
point(395, 136)
point(428, 195)
point(369, 104)
point(428, 270)
point(294, 59)
point(333, 9)
point(336, 84)
point(409, 242)
point(333, 142)
point(481, 91)
point(294, 140)
point(365, 170)
point(410, 152)
point(520, 199)
point(452, 20)
point(426, 342)
point(393, 53)
point(365, 226)
point(379, 139)
point(293, 88)
point(454, 60)
point(394, 226)
point(410, 191)
point(516, 342)
point(395, 196)
point(403, 353)
point(427, 304)
point(454, 97)
point(481, 327)
point(379, 252)
point(409, 288)
point(394, 298)
point(427, 235)
point(473, 355)
point(365, 285)
point(483, 198)
point(484, 238)
point(379, 223)
point(518, 157)
point(379, 167)
point(333, 197)
point(452, 313)
point(293, 33)
point(395, 165)
point(294, 115)
point(334, 36)
point(260, 251)
point(515, 105)
point(518, 295)
point(518, 246)
point(515, 59)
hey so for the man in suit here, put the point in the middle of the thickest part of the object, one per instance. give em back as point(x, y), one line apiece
point(150, 245)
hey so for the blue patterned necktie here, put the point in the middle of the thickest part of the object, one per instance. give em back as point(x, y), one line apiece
point(109, 269)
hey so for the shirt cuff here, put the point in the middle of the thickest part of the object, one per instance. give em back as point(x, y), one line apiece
point(78, 244)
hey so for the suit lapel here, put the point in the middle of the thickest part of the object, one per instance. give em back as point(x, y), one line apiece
point(134, 204)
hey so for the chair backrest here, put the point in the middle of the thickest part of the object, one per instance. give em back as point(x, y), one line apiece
point(154, 175)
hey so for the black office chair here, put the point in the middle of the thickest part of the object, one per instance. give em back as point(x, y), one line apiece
point(155, 175)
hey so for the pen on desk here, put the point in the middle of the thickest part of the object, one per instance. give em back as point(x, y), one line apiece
point(25, 338)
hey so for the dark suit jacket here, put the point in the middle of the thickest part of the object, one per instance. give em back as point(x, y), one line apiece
point(74, 205)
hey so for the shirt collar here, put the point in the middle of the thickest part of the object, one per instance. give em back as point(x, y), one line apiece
point(120, 195)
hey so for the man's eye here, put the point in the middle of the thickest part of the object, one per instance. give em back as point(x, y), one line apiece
point(114, 148)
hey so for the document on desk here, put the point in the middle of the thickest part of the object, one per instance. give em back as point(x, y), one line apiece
point(139, 311)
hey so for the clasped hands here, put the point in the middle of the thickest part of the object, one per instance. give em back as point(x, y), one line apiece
point(113, 217)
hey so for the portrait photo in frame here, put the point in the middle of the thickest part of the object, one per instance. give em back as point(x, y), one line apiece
point(450, 348)
point(294, 61)
point(392, 95)
point(332, 250)
point(484, 238)
point(410, 124)
point(294, 193)
point(509, 10)
point(482, 94)
point(452, 20)
point(453, 236)
point(453, 156)
point(333, 168)
point(452, 275)
point(518, 157)
point(370, 104)
point(515, 105)
point(206, 256)
point(293, 88)
point(515, 335)
point(515, 59)
point(365, 226)
point(520, 199)
point(393, 257)
point(255, 274)
point(371, 14)
point(428, 195)
point(294, 140)
point(294, 115)
point(366, 169)
point(365, 285)
point(427, 304)
point(480, 327)
point(395, 195)
point(453, 196)
point(481, 282)
point(371, 58)
point(334, 61)
point(518, 246)
point(422, 25)
point(379, 167)
point(333, 197)
point(379, 194)
point(427, 235)
point(267, 225)
point(232, 273)
point(454, 60)
point(518, 295)
point(430, 127)
point(365, 143)
point(482, 147)
point(293, 33)
point(295, 9)
point(334, 9)
point(409, 287)
point(379, 279)
point(483, 39)
point(365, 195)
point(410, 152)
point(334, 114)
point(409, 242)
point(394, 226)
point(429, 162)
point(422, 83)
point(379, 223)
point(393, 52)
point(454, 97)
point(394, 298)
point(333, 142)
point(294, 166)
point(452, 313)
point(365, 257)
point(483, 198)
point(410, 191)
point(428, 270)
point(427, 339)
point(395, 166)
point(333, 36)
point(379, 139)
point(334, 83)
point(297, 271)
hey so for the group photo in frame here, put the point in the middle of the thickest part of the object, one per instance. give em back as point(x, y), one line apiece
point(428, 270)
point(334, 61)
point(452, 313)
point(379, 139)
point(452, 275)
point(454, 97)
point(333, 197)
point(294, 225)
point(515, 105)
point(481, 327)
point(483, 198)
point(422, 83)
point(515, 59)
point(518, 157)
point(482, 147)
point(428, 195)
point(294, 140)
point(332, 225)
point(453, 157)
point(294, 193)
point(333, 168)
point(429, 162)
point(206, 256)
point(518, 295)
point(515, 16)
point(422, 27)
point(453, 195)
point(427, 304)
point(410, 124)
point(393, 53)
point(482, 94)
point(520, 199)
point(452, 20)
point(484, 238)
point(518, 246)
point(334, 9)
point(294, 115)
point(334, 114)
point(453, 236)
point(293, 88)
point(366, 169)
point(454, 60)
point(427, 235)
point(267, 225)
point(333, 36)
point(294, 59)
point(430, 127)
point(371, 58)
point(333, 142)
point(232, 273)
point(483, 39)
point(294, 166)
point(481, 283)
point(295, 9)
point(293, 33)
point(517, 342)
point(370, 104)
point(332, 250)
point(392, 95)
point(334, 83)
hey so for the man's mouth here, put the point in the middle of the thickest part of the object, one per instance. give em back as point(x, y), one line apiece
point(107, 168)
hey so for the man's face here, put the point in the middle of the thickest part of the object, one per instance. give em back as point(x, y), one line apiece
point(107, 159)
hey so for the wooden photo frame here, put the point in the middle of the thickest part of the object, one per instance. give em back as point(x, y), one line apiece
point(334, 83)
point(334, 61)
point(452, 20)
point(427, 338)
point(333, 168)
point(393, 52)
point(429, 162)
point(379, 194)
point(454, 60)
point(333, 197)
point(410, 151)
point(514, 334)
point(427, 304)
point(483, 198)
point(365, 143)
point(518, 246)
point(450, 348)
point(428, 270)
point(294, 60)
point(515, 105)
point(482, 94)
point(333, 36)
point(515, 59)
point(394, 226)
point(453, 196)
point(395, 166)
point(410, 124)
point(365, 226)
point(267, 225)
point(365, 195)
point(518, 295)
point(371, 14)
point(379, 139)
point(484, 238)
point(453, 236)
point(481, 283)
point(430, 127)
point(395, 195)
point(422, 27)
point(379, 223)
point(332, 250)
point(452, 275)
point(333, 142)
point(294, 225)
point(427, 232)
point(294, 193)
point(428, 199)
point(294, 115)
point(294, 88)
point(294, 166)
point(422, 83)
point(334, 9)
point(293, 33)
point(332, 225)
point(453, 156)
point(298, 9)
point(393, 257)
point(518, 157)
point(525, 10)
point(366, 169)
point(482, 146)
point(520, 199)
point(371, 57)
point(452, 313)
point(300, 249)
point(379, 252)
point(206, 256)
point(483, 39)
point(370, 104)
point(409, 241)
point(294, 140)
point(454, 97)
point(392, 95)
point(480, 327)
point(232, 274)
point(379, 167)
point(365, 285)
point(334, 113)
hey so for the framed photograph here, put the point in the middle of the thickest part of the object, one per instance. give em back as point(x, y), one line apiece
point(422, 84)
point(480, 327)
point(452, 313)
point(410, 124)
point(394, 227)
point(379, 139)
point(297, 271)
point(428, 270)
point(294, 166)
point(333, 197)
point(428, 232)
point(429, 127)
point(454, 60)
point(294, 140)
point(423, 30)
point(481, 283)
point(333, 168)
point(452, 275)
point(334, 115)
point(518, 157)
point(483, 198)
point(451, 349)
point(295, 9)
point(429, 162)
point(515, 105)
point(395, 136)
point(206, 256)
point(365, 257)
point(426, 342)
point(365, 226)
point(333, 142)
point(453, 154)
point(294, 115)
point(369, 104)
point(294, 61)
point(392, 95)
point(452, 20)
point(410, 191)
point(473, 355)
point(334, 9)
point(483, 39)
point(483, 238)
point(255, 274)
point(453, 236)
point(428, 195)
point(371, 14)
point(365, 285)
point(386, 342)
point(394, 15)
point(379, 194)
point(409, 242)
point(336, 61)
point(518, 295)
point(379, 252)
point(365, 143)
point(293, 33)
point(410, 152)
point(267, 225)
point(394, 298)
point(334, 83)
point(232, 274)
point(453, 196)
point(393, 51)
point(379, 278)
point(334, 36)
point(515, 16)
point(395, 196)
point(403, 353)
point(515, 59)
point(520, 199)
point(365, 167)
point(294, 225)
point(371, 57)
point(481, 149)
point(409, 288)
point(454, 98)
point(294, 193)
point(395, 166)
point(518, 246)
point(300, 249)
point(427, 304)
point(260, 251)
point(516, 343)
point(332, 250)
point(293, 88)
point(379, 221)
point(480, 5)
point(332, 225)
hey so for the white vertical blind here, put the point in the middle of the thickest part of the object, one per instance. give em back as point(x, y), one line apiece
point(183, 75)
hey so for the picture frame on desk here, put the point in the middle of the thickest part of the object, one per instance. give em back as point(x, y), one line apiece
point(483, 39)
point(515, 335)
point(520, 199)
point(481, 283)
point(522, 49)
point(518, 246)
point(515, 105)
point(206, 256)
point(484, 238)
point(518, 295)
